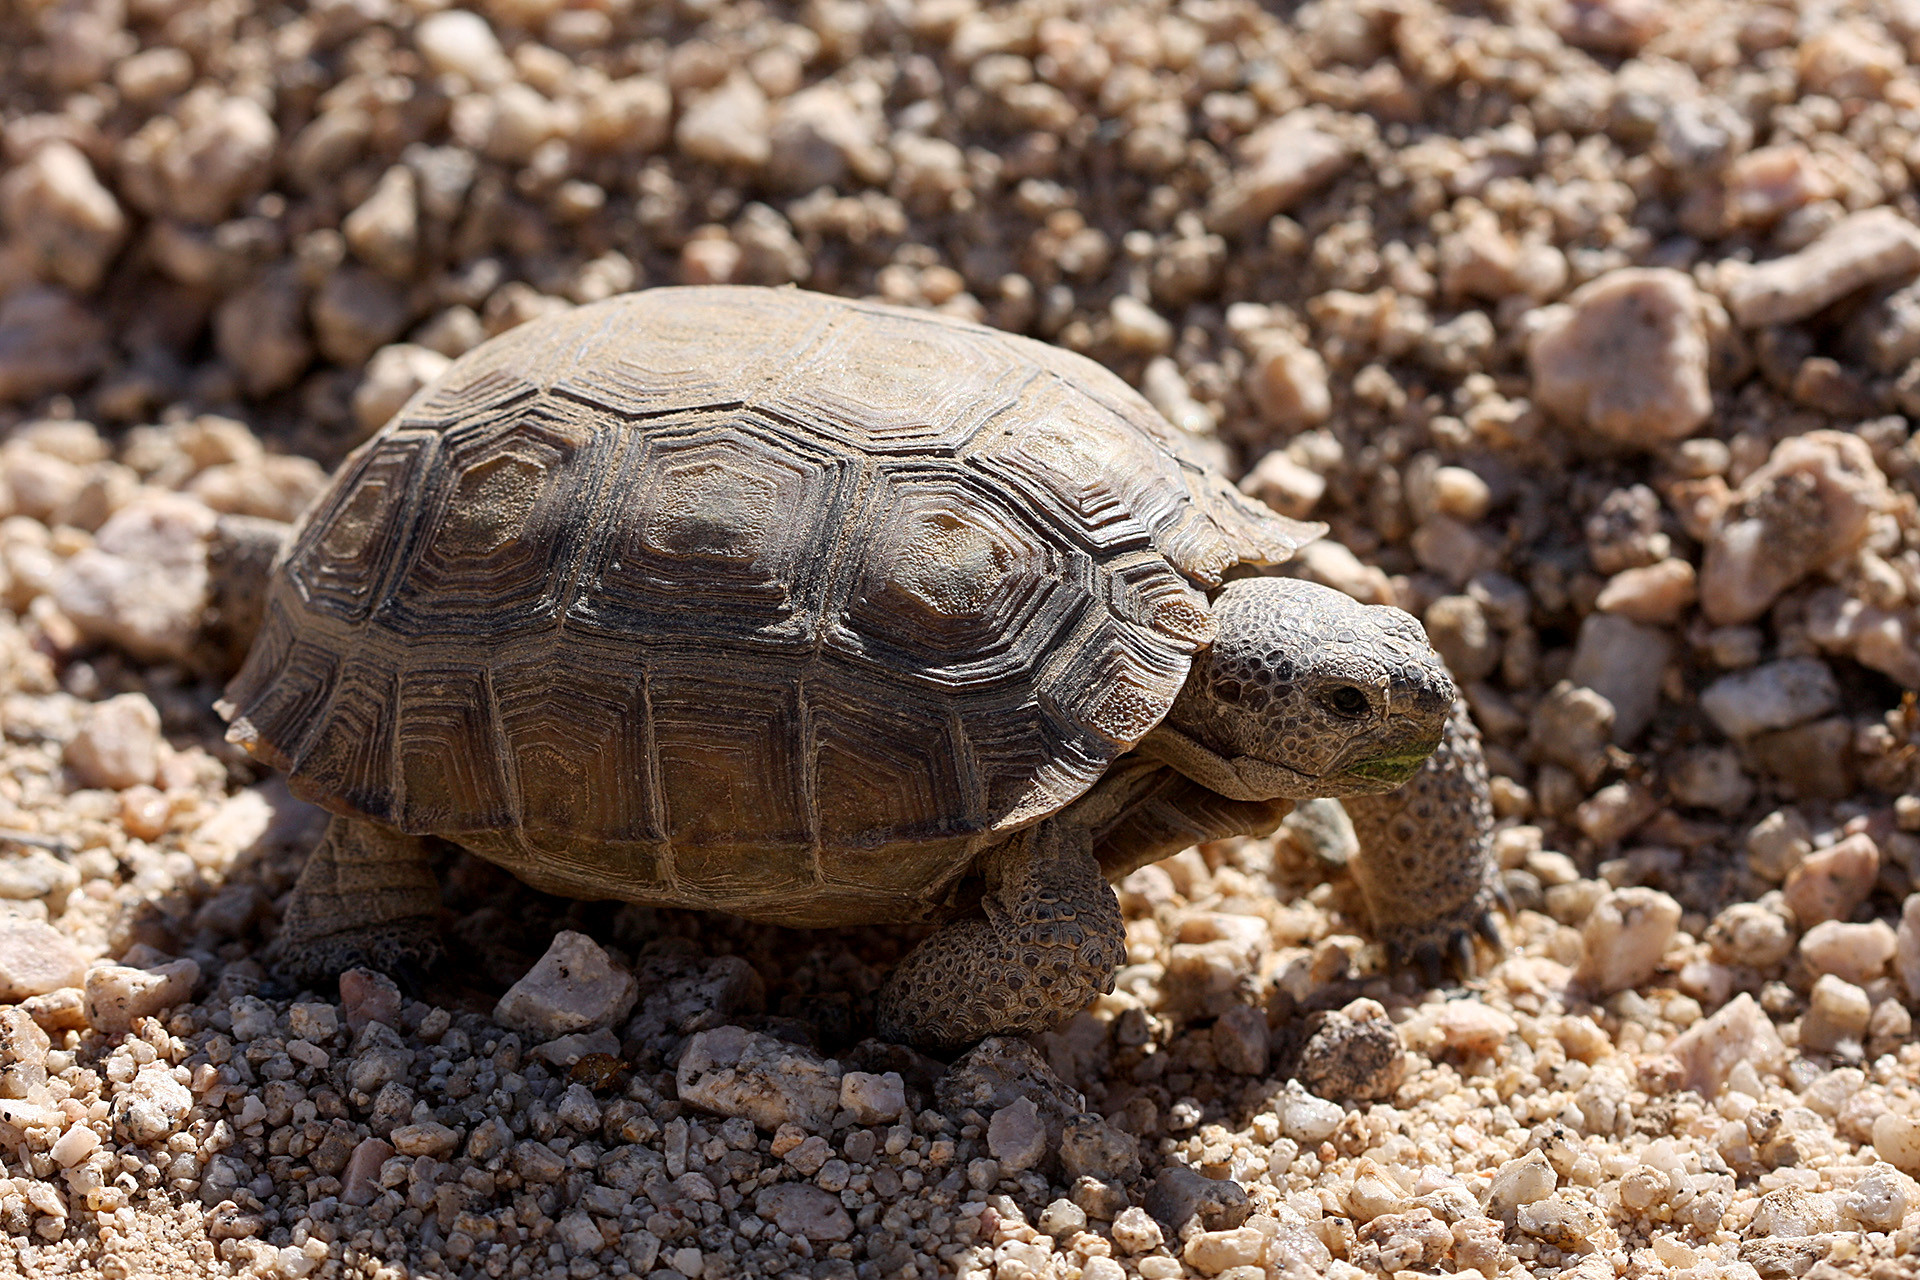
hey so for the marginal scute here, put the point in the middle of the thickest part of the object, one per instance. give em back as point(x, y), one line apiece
point(744, 598)
point(446, 784)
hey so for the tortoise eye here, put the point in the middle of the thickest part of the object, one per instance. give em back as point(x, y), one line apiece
point(1347, 700)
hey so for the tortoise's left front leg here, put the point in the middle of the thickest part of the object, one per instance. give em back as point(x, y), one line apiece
point(1049, 943)
point(1426, 865)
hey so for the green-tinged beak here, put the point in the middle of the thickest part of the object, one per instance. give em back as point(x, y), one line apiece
point(1391, 770)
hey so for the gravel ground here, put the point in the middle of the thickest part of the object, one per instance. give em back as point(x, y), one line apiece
point(1592, 327)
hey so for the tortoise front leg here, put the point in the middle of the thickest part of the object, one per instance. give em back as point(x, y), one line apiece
point(1049, 943)
point(1426, 866)
point(366, 897)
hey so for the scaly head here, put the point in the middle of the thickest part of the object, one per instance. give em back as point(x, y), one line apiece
point(1306, 693)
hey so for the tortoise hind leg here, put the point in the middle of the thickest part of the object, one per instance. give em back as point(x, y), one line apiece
point(367, 897)
point(1050, 942)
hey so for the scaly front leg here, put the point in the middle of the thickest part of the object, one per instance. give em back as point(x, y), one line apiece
point(1049, 943)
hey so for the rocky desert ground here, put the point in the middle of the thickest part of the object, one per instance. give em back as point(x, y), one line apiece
point(1591, 327)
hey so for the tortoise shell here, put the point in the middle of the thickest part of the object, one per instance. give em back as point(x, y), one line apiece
point(742, 598)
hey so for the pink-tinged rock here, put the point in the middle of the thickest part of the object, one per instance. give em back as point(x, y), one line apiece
point(1626, 358)
point(1856, 953)
point(366, 996)
point(1859, 250)
point(731, 1071)
point(804, 1210)
point(1280, 164)
point(1807, 507)
point(576, 986)
point(1625, 938)
point(1739, 1032)
point(117, 993)
point(118, 745)
point(1829, 883)
point(142, 585)
point(360, 1182)
point(35, 958)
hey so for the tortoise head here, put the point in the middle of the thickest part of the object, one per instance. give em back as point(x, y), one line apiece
point(1307, 692)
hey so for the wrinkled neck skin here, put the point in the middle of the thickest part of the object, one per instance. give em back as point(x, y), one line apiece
point(1235, 777)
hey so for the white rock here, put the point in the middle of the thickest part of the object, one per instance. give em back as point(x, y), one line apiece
point(75, 1145)
point(1738, 1032)
point(1308, 1120)
point(1777, 695)
point(1857, 953)
point(68, 224)
point(1860, 249)
point(873, 1099)
point(118, 745)
point(1135, 1231)
point(1470, 1026)
point(1284, 484)
point(117, 993)
point(151, 1106)
point(1625, 937)
point(393, 374)
point(1016, 1136)
point(1623, 661)
point(1878, 1201)
point(734, 1072)
point(1626, 357)
point(143, 584)
point(1906, 957)
point(1897, 1140)
point(727, 126)
point(1522, 1181)
point(1808, 506)
point(1837, 1012)
point(575, 986)
point(37, 875)
point(35, 958)
point(803, 1210)
point(1211, 1252)
point(460, 43)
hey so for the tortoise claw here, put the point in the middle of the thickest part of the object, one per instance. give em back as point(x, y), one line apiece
point(410, 976)
point(1426, 958)
point(1488, 928)
point(1463, 958)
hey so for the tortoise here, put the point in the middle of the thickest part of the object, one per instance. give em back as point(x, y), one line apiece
point(823, 612)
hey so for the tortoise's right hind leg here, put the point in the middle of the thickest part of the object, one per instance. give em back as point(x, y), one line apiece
point(366, 898)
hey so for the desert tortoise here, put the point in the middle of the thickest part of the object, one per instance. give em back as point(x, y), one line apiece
point(818, 612)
